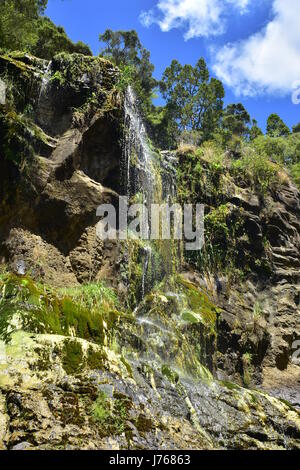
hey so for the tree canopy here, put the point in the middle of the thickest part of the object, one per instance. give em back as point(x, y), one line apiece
point(276, 127)
point(194, 100)
point(23, 27)
point(53, 39)
point(16, 22)
point(125, 49)
point(236, 120)
point(296, 128)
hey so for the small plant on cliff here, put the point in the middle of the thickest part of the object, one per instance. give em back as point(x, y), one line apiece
point(111, 413)
point(257, 312)
point(247, 368)
point(126, 78)
point(89, 312)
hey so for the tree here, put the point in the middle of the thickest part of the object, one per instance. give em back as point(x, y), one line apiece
point(23, 27)
point(163, 129)
point(193, 99)
point(296, 128)
point(236, 120)
point(276, 127)
point(18, 23)
point(124, 49)
point(255, 131)
point(53, 39)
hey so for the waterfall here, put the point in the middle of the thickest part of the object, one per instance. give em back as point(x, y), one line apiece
point(42, 103)
point(150, 176)
point(45, 81)
point(137, 154)
point(148, 253)
point(147, 176)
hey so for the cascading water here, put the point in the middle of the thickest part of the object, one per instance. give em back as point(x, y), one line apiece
point(42, 103)
point(137, 169)
point(138, 175)
point(167, 336)
point(45, 82)
point(148, 253)
point(147, 177)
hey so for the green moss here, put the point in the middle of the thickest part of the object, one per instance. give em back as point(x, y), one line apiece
point(101, 410)
point(191, 317)
point(170, 374)
point(111, 414)
point(72, 358)
point(95, 359)
point(88, 314)
point(199, 303)
point(127, 365)
point(287, 403)
point(230, 385)
point(144, 424)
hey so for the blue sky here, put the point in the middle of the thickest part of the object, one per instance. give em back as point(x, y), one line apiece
point(252, 45)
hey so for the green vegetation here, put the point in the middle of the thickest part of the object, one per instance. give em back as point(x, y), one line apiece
point(23, 27)
point(111, 413)
point(125, 50)
point(88, 312)
point(235, 120)
point(199, 303)
point(170, 374)
point(52, 39)
point(276, 127)
point(193, 112)
point(209, 174)
point(72, 356)
point(194, 101)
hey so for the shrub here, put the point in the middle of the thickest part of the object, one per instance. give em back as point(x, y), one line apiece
point(257, 169)
point(82, 310)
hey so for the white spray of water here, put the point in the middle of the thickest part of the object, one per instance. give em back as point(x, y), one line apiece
point(45, 81)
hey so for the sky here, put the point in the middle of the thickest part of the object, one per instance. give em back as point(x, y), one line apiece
point(253, 46)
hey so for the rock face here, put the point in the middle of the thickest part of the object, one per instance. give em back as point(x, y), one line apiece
point(43, 407)
point(72, 165)
point(257, 288)
point(263, 311)
point(77, 373)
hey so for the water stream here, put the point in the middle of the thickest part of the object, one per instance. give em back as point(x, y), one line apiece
point(148, 177)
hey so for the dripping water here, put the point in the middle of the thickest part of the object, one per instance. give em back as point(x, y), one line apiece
point(137, 155)
point(145, 174)
point(45, 82)
point(148, 252)
point(43, 101)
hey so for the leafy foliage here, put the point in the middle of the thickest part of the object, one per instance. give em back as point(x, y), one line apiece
point(194, 101)
point(276, 127)
point(52, 39)
point(111, 413)
point(255, 131)
point(82, 310)
point(125, 50)
point(17, 21)
point(23, 27)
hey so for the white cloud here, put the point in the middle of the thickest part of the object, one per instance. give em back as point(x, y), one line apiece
point(268, 61)
point(197, 17)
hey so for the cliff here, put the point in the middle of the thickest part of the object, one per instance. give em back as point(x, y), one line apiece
point(103, 345)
